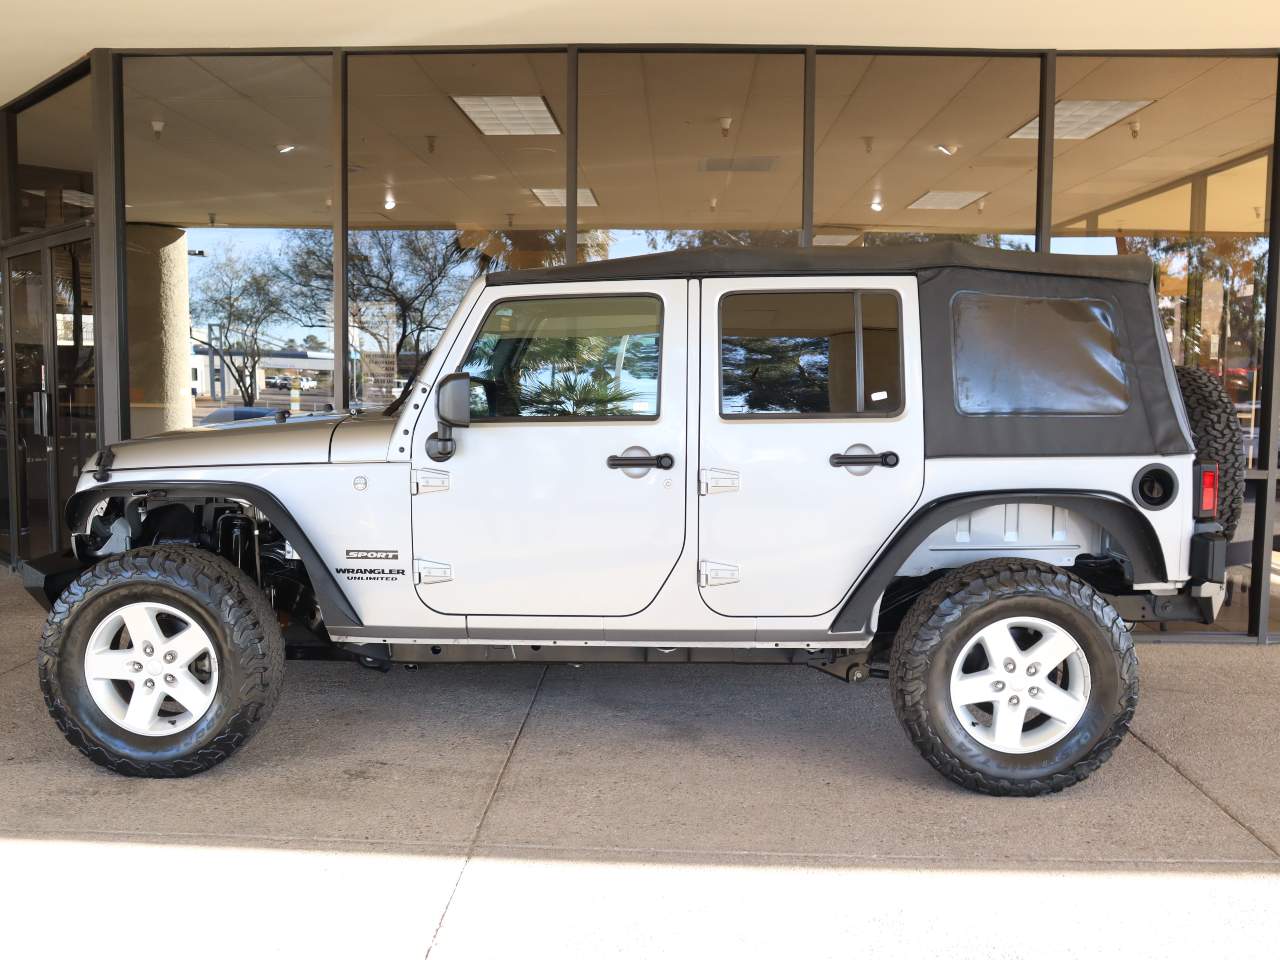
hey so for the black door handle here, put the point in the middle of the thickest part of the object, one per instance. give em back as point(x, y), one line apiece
point(886, 459)
point(663, 461)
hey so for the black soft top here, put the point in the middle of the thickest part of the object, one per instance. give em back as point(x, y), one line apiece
point(907, 258)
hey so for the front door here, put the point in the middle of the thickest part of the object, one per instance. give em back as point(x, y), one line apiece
point(48, 376)
point(790, 378)
point(536, 514)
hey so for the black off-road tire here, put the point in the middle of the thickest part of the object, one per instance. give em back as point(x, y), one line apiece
point(228, 606)
point(954, 609)
point(1215, 431)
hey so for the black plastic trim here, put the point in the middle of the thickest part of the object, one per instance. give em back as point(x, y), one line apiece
point(1137, 483)
point(1121, 519)
point(336, 609)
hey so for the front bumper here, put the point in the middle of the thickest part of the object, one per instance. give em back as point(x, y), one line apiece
point(46, 577)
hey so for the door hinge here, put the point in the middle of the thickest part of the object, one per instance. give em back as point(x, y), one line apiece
point(426, 480)
point(431, 571)
point(712, 574)
point(715, 480)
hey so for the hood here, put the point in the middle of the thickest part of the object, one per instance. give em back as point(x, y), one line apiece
point(300, 439)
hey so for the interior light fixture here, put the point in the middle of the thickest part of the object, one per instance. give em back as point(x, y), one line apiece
point(946, 199)
point(389, 203)
point(1081, 119)
point(558, 196)
point(834, 239)
point(285, 148)
point(877, 204)
point(946, 150)
point(509, 116)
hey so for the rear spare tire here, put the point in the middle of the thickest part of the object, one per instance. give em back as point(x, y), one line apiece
point(1215, 430)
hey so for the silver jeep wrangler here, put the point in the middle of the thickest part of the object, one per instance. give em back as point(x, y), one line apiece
point(966, 470)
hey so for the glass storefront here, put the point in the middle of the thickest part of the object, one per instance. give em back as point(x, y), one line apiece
point(914, 148)
point(681, 150)
point(54, 175)
point(456, 166)
point(229, 244)
point(456, 163)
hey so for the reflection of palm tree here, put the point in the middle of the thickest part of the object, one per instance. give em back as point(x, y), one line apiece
point(574, 393)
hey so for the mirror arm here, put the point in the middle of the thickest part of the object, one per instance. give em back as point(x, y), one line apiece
point(441, 445)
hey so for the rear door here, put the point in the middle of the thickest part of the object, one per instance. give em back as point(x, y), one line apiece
point(792, 373)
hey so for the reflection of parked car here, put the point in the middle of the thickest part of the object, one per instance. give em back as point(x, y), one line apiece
point(307, 383)
point(277, 381)
point(961, 469)
point(230, 414)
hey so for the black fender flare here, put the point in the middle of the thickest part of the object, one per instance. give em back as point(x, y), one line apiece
point(1120, 518)
point(334, 605)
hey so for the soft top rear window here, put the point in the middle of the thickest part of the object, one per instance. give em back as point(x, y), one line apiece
point(1036, 355)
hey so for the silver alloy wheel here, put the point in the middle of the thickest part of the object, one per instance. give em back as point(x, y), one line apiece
point(1019, 701)
point(151, 669)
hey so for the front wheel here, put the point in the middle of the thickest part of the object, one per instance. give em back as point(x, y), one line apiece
point(1014, 677)
point(161, 662)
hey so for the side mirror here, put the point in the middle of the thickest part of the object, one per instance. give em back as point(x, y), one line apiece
point(453, 409)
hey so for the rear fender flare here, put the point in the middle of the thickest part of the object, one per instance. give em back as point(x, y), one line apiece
point(1119, 517)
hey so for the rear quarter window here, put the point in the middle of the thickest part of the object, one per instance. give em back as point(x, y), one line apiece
point(1036, 355)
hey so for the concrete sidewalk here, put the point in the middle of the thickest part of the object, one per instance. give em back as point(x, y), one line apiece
point(476, 811)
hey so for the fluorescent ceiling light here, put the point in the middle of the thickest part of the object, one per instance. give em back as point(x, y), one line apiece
point(834, 239)
point(1081, 119)
point(945, 150)
point(285, 148)
point(947, 199)
point(558, 196)
point(509, 116)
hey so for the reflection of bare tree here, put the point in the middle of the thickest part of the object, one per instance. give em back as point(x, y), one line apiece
point(1218, 321)
point(242, 297)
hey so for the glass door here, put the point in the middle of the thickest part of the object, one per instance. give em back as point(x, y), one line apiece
point(6, 501)
point(28, 308)
point(75, 398)
point(49, 386)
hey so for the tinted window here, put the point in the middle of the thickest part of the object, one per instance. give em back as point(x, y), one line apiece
point(810, 353)
point(567, 357)
point(1036, 355)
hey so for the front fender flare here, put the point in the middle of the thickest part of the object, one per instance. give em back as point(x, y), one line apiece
point(335, 608)
point(1120, 518)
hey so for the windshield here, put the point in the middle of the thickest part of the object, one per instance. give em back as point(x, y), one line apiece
point(394, 406)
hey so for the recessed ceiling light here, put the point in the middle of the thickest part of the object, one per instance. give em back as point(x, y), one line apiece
point(558, 196)
point(945, 150)
point(946, 199)
point(877, 204)
point(509, 116)
point(389, 203)
point(1081, 119)
point(285, 148)
point(834, 239)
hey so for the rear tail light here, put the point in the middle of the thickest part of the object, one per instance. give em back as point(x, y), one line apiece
point(1206, 491)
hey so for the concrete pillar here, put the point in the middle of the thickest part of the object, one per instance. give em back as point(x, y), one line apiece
point(159, 317)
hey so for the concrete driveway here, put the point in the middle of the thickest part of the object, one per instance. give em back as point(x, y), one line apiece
point(498, 811)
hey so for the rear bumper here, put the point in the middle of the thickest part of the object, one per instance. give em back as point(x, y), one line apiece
point(46, 577)
point(1208, 557)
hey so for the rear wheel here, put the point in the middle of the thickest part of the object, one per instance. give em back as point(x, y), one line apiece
point(1013, 677)
point(161, 662)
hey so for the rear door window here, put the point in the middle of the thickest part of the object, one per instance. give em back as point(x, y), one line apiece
point(811, 353)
